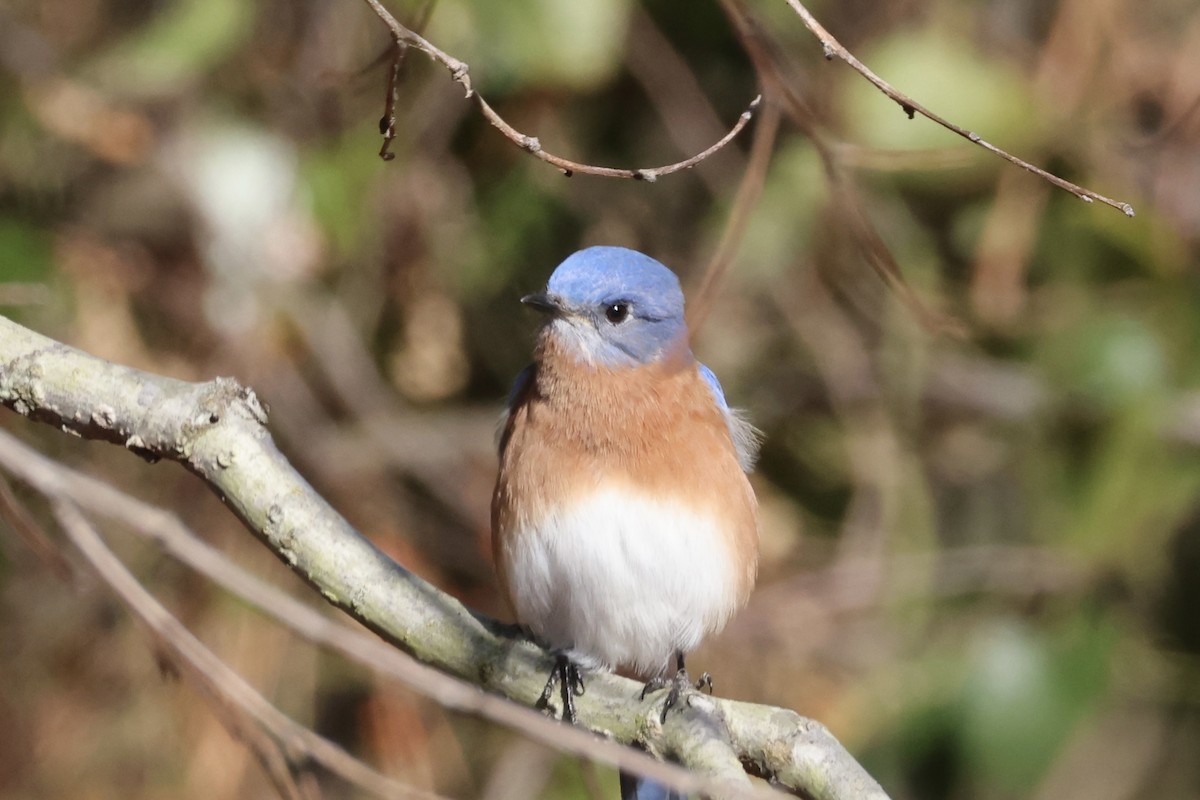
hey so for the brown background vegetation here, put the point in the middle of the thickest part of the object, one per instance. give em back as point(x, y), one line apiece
point(981, 552)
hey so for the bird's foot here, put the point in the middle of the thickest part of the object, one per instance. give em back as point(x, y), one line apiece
point(653, 685)
point(567, 678)
point(677, 686)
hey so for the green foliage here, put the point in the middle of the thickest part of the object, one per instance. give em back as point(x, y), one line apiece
point(977, 92)
point(571, 46)
point(1026, 692)
point(790, 206)
point(334, 179)
point(178, 45)
point(25, 253)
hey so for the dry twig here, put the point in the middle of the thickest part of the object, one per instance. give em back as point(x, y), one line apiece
point(285, 748)
point(460, 72)
point(58, 483)
point(833, 48)
point(387, 123)
point(744, 203)
point(25, 526)
point(769, 63)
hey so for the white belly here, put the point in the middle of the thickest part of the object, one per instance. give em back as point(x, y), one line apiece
point(623, 579)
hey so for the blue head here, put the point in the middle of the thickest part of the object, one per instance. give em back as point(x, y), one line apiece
point(614, 307)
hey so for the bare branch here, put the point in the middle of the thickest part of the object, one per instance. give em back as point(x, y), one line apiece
point(766, 58)
point(408, 38)
point(649, 174)
point(387, 123)
point(459, 71)
point(287, 745)
point(168, 532)
point(399, 51)
point(216, 430)
point(911, 107)
point(744, 203)
point(42, 546)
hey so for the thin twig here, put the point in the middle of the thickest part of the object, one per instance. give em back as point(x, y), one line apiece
point(766, 57)
point(744, 202)
point(57, 481)
point(459, 71)
point(43, 547)
point(676, 94)
point(649, 174)
point(387, 123)
point(880, 258)
point(287, 746)
point(911, 107)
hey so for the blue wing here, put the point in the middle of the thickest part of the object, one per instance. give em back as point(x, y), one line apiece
point(746, 438)
point(518, 386)
point(514, 394)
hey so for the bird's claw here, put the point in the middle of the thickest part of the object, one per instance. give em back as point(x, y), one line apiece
point(566, 677)
point(653, 685)
point(678, 687)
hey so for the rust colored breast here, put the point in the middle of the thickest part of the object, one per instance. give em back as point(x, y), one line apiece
point(655, 426)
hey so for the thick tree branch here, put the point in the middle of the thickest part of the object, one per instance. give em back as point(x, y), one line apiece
point(217, 430)
point(59, 483)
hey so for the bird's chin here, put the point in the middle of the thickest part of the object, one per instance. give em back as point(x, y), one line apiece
point(578, 340)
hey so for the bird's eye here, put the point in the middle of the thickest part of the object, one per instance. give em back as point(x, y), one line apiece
point(617, 312)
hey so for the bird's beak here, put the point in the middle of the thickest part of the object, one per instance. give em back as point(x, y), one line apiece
point(545, 303)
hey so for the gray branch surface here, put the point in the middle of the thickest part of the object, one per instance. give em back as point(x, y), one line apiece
point(218, 431)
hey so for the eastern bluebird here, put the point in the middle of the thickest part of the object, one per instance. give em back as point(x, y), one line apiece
point(624, 528)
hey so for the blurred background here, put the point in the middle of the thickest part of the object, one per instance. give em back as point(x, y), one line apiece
point(981, 552)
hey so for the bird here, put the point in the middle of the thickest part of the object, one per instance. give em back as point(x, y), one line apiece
point(624, 526)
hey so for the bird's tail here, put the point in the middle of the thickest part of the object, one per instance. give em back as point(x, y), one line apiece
point(636, 788)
